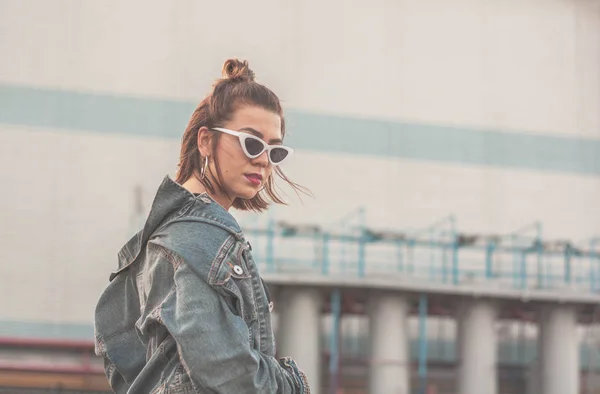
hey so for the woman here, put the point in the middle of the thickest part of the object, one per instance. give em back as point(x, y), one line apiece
point(187, 311)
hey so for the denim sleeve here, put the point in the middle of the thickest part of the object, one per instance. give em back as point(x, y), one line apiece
point(213, 342)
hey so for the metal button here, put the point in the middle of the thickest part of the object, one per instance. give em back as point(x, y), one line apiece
point(206, 200)
point(238, 270)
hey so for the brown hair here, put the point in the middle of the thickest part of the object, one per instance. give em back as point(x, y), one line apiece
point(236, 88)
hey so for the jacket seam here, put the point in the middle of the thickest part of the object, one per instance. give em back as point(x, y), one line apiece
point(173, 258)
point(226, 247)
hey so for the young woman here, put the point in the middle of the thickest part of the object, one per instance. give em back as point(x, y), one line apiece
point(187, 311)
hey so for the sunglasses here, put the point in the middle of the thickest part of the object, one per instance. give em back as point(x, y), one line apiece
point(254, 146)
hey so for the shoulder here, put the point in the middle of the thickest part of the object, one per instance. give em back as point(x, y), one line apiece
point(201, 236)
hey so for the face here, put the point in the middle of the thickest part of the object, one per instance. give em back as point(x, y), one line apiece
point(243, 177)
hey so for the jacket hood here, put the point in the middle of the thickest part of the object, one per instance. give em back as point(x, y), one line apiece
point(169, 198)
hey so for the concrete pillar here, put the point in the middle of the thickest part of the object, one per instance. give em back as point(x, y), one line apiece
point(534, 375)
point(299, 331)
point(560, 349)
point(533, 382)
point(389, 371)
point(477, 348)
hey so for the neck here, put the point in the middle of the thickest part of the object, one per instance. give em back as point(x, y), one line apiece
point(194, 185)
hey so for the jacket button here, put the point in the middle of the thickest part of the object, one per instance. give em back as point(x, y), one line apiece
point(238, 270)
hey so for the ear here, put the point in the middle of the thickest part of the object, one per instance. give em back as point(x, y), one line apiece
point(205, 139)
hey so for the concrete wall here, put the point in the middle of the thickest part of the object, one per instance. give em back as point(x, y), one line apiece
point(508, 91)
point(511, 65)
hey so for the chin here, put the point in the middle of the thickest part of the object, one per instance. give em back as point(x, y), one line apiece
point(247, 194)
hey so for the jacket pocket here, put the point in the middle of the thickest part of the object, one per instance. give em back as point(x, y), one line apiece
point(231, 277)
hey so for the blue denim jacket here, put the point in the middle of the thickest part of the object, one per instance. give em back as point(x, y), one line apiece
point(186, 311)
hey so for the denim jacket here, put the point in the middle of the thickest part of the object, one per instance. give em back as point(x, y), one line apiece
point(186, 310)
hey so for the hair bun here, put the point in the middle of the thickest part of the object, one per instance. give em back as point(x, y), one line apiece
point(237, 70)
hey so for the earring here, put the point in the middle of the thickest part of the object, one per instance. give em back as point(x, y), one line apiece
point(203, 169)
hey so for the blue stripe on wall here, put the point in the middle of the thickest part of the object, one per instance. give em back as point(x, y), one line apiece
point(46, 330)
point(28, 106)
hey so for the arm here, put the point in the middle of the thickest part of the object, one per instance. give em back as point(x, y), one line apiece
point(213, 342)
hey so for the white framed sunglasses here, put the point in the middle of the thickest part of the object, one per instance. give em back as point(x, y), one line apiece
point(254, 146)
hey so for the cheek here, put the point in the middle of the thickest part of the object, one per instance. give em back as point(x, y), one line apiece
point(231, 163)
point(230, 154)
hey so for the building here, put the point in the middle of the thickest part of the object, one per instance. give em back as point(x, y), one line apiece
point(460, 143)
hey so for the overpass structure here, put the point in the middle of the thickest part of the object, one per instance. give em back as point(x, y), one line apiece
point(389, 277)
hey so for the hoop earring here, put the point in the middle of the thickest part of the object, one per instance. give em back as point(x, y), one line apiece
point(203, 169)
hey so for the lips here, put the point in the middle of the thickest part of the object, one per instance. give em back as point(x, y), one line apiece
point(255, 179)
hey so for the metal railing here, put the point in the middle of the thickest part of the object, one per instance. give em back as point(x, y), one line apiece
point(437, 254)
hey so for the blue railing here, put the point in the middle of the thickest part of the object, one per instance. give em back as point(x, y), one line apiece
point(438, 254)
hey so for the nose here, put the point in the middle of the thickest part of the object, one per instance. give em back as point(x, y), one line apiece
point(262, 160)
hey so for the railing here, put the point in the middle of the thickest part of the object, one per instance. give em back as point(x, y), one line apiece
point(438, 254)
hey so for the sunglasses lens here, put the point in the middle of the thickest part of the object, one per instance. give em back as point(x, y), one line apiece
point(278, 154)
point(254, 146)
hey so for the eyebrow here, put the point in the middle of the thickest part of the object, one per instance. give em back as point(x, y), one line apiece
point(261, 135)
